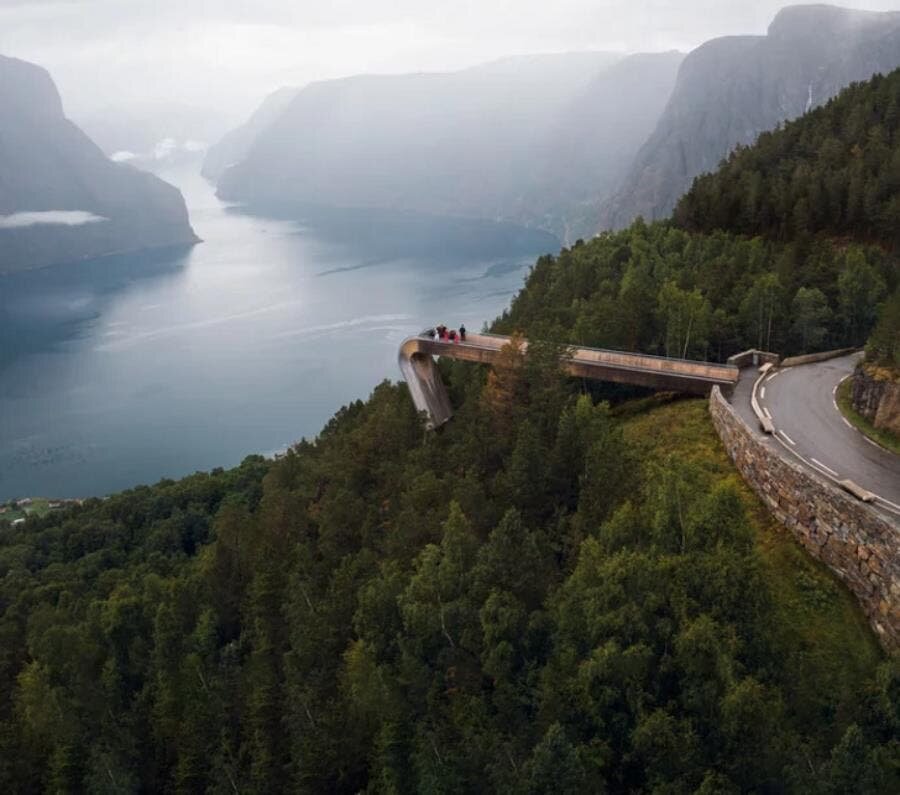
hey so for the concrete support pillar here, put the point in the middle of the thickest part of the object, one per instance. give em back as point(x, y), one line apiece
point(425, 384)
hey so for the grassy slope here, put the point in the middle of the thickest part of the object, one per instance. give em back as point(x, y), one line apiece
point(885, 438)
point(829, 644)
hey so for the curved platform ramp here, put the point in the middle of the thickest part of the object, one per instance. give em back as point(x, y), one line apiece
point(656, 372)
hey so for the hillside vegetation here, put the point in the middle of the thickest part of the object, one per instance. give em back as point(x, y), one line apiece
point(543, 597)
point(731, 89)
point(835, 171)
point(549, 595)
point(659, 289)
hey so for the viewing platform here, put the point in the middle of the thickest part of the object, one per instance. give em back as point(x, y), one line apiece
point(656, 372)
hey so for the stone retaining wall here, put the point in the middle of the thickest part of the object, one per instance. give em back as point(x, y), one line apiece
point(861, 547)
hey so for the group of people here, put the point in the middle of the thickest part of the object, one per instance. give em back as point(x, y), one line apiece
point(447, 335)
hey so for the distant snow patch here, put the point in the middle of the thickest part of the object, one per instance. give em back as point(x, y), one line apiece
point(49, 218)
point(122, 156)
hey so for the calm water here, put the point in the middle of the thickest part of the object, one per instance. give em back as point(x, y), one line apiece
point(126, 370)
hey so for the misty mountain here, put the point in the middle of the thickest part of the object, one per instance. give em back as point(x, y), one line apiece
point(236, 143)
point(61, 198)
point(731, 89)
point(531, 140)
point(154, 136)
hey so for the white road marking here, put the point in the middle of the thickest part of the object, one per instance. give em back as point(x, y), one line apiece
point(777, 372)
point(767, 413)
point(834, 403)
point(762, 393)
point(874, 444)
point(848, 424)
point(888, 502)
point(834, 391)
point(820, 464)
point(788, 439)
point(885, 505)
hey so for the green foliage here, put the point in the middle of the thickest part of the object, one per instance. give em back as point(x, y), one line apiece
point(884, 344)
point(661, 290)
point(834, 171)
point(548, 595)
point(585, 606)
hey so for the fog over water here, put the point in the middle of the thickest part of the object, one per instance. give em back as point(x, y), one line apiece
point(126, 370)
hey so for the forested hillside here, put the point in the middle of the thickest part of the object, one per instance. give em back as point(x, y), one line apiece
point(790, 246)
point(659, 289)
point(731, 89)
point(835, 171)
point(544, 597)
point(549, 595)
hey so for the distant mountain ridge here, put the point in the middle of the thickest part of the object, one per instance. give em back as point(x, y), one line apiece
point(731, 89)
point(236, 143)
point(495, 141)
point(61, 198)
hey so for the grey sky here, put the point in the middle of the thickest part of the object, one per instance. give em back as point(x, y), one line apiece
point(227, 54)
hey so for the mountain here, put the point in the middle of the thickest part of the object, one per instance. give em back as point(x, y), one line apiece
point(235, 144)
point(61, 198)
point(587, 151)
point(154, 136)
point(526, 139)
point(731, 89)
point(835, 172)
point(551, 594)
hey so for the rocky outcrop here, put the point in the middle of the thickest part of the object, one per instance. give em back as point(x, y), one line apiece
point(61, 198)
point(850, 537)
point(875, 393)
point(729, 90)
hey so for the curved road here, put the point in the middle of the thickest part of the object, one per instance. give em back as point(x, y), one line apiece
point(801, 403)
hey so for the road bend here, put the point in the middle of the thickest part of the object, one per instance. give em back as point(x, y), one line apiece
point(802, 403)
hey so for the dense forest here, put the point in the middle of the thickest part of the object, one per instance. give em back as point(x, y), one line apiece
point(658, 289)
point(835, 171)
point(550, 594)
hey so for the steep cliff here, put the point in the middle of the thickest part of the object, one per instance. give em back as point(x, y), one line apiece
point(61, 198)
point(730, 90)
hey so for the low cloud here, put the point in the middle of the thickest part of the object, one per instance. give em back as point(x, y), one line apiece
point(49, 218)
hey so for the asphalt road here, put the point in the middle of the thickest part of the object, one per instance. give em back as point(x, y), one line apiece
point(801, 402)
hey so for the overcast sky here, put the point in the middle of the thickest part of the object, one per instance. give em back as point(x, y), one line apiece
point(227, 54)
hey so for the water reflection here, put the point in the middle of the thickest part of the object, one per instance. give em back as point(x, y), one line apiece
point(39, 309)
point(126, 370)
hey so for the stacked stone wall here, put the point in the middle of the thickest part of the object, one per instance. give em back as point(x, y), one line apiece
point(852, 538)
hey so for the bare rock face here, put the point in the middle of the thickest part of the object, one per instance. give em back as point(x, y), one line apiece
point(61, 198)
point(729, 90)
point(876, 395)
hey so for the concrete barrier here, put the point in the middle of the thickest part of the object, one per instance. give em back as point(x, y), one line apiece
point(753, 358)
point(856, 542)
